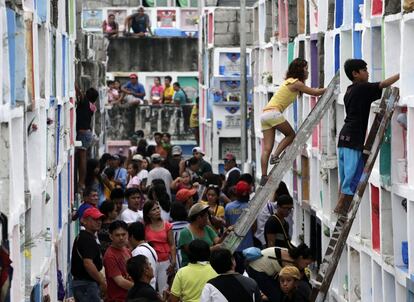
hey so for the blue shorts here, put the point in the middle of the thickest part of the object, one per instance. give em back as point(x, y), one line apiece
point(86, 138)
point(350, 169)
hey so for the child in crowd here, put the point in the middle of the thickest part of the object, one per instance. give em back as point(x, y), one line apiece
point(183, 182)
point(114, 95)
point(288, 278)
point(110, 27)
point(358, 98)
point(133, 181)
point(272, 118)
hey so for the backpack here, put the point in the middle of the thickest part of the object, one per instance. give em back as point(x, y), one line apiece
point(252, 253)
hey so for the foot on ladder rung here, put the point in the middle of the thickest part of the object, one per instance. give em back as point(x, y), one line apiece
point(366, 152)
point(377, 110)
point(316, 284)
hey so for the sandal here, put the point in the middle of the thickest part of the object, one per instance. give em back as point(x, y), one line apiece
point(274, 160)
point(263, 180)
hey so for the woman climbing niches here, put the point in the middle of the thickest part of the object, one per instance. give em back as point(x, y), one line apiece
point(272, 118)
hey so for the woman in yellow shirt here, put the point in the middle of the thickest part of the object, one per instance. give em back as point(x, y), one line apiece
point(216, 210)
point(272, 118)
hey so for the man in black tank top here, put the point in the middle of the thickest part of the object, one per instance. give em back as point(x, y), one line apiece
point(229, 285)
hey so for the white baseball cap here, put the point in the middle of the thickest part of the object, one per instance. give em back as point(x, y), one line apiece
point(198, 150)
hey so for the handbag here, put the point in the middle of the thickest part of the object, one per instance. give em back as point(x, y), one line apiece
point(290, 245)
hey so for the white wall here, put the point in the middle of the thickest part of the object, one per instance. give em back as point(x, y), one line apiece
point(29, 165)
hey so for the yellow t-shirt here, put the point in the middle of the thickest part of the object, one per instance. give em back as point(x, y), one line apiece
point(194, 117)
point(107, 191)
point(217, 210)
point(168, 91)
point(283, 97)
point(190, 280)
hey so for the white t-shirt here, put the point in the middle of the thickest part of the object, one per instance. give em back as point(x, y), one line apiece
point(165, 215)
point(231, 170)
point(268, 210)
point(124, 207)
point(211, 294)
point(160, 173)
point(130, 216)
point(147, 250)
point(142, 175)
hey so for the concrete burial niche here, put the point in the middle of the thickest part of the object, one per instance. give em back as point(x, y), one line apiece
point(376, 7)
point(407, 61)
point(392, 7)
point(392, 49)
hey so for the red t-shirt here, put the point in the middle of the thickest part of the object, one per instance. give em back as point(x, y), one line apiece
point(115, 265)
point(161, 151)
point(159, 241)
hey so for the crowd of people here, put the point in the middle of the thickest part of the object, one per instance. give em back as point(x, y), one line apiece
point(153, 224)
point(133, 92)
point(139, 22)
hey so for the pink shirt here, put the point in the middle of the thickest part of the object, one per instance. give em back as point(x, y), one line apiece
point(159, 241)
point(113, 94)
point(134, 182)
point(157, 92)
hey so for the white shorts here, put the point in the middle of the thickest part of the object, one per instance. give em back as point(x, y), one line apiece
point(271, 118)
point(129, 98)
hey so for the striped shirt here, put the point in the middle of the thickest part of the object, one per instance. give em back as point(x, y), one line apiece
point(177, 226)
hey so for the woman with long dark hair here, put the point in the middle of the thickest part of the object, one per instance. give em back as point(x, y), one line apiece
point(216, 210)
point(160, 235)
point(94, 179)
point(158, 193)
point(272, 118)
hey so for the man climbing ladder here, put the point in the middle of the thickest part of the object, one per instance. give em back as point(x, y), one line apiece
point(358, 98)
point(343, 226)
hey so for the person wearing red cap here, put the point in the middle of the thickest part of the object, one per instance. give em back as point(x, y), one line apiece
point(133, 90)
point(185, 196)
point(233, 211)
point(88, 283)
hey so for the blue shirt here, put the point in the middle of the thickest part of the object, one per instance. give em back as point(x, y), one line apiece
point(121, 175)
point(232, 213)
point(179, 97)
point(82, 208)
point(137, 88)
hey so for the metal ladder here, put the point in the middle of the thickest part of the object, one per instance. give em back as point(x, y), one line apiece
point(249, 215)
point(343, 226)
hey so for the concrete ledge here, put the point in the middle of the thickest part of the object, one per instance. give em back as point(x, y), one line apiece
point(152, 54)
